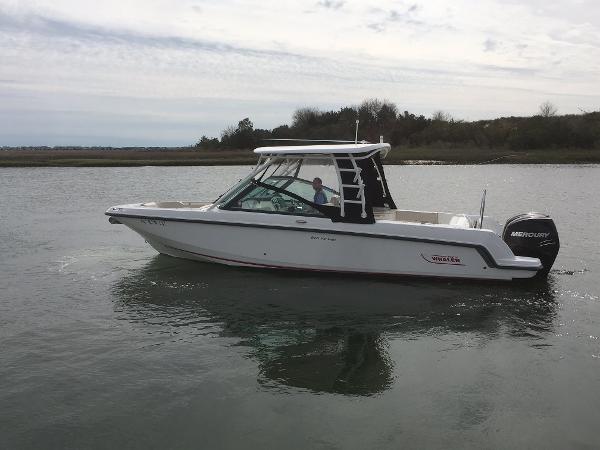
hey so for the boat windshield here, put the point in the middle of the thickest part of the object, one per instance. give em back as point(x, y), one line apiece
point(293, 176)
point(262, 199)
point(299, 185)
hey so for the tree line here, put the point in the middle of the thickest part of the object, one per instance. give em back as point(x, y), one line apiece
point(376, 117)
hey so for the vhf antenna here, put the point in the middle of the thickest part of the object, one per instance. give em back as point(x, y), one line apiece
point(356, 132)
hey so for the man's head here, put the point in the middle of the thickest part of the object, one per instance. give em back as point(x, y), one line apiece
point(317, 184)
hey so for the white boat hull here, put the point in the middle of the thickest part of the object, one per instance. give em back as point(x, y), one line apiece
point(317, 244)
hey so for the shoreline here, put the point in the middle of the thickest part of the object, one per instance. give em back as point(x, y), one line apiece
point(137, 157)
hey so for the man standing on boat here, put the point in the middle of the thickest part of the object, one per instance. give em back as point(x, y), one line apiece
point(320, 198)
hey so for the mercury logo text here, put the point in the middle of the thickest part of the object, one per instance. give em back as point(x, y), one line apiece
point(529, 235)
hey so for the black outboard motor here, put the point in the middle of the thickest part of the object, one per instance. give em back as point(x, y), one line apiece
point(533, 234)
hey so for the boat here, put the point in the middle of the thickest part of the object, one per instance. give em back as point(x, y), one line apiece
point(274, 219)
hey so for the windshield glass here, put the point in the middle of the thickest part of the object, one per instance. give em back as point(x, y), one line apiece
point(263, 199)
point(298, 186)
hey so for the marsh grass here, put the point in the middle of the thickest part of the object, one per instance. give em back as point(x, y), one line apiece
point(91, 157)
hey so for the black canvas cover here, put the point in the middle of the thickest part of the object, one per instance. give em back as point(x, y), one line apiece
point(376, 190)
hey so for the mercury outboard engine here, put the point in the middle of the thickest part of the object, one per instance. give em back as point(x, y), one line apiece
point(533, 234)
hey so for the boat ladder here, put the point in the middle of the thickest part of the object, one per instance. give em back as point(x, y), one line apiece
point(357, 184)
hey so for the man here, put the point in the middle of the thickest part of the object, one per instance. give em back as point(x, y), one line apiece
point(320, 198)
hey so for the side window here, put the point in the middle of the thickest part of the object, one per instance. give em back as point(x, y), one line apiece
point(302, 189)
point(262, 199)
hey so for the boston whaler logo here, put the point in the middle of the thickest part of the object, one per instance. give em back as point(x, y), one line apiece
point(443, 259)
point(525, 234)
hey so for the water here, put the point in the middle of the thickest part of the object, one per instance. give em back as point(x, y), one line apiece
point(105, 344)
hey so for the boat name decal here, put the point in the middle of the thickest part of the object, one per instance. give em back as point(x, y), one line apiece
point(525, 234)
point(323, 238)
point(154, 222)
point(443, 259)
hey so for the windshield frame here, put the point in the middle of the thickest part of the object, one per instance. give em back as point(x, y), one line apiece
point(277, 167)
point(327, 189)
point(230, 205)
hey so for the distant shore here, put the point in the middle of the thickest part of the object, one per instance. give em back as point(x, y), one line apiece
point(190, 156)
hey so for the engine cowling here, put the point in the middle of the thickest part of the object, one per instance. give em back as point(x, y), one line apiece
point(535, 235)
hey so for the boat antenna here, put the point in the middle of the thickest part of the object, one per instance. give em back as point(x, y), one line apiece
point(482, 208)
point(356, 132)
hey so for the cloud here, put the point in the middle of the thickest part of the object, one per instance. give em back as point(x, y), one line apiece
point(377, 27)
point(149, 65)
point(405, 16)
point(331, 4)
point(581, 35)
point(509, 69)
point(58, 28)
point(397, 16)
point(489, 45)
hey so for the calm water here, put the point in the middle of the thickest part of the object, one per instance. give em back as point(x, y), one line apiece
point(105, 344)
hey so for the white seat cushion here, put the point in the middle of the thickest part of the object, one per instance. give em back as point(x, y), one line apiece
point(460, 221)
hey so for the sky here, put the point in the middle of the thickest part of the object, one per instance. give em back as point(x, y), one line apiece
point(166, 72)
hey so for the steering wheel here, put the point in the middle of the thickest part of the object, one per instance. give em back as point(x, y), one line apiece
point(278, 202)
point(296, 205)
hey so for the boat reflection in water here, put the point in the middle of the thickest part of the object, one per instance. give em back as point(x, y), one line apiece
point(326, 334)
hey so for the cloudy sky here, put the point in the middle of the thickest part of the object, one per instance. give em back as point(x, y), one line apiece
point(164, 72)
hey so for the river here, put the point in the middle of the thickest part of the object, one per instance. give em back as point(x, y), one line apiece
point(105, 344)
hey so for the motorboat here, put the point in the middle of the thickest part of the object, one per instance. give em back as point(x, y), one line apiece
point(328, 208)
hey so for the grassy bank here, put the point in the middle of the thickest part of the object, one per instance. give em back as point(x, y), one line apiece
point(403, 155)
point(91, 157)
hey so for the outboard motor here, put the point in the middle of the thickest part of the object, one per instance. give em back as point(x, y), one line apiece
point(534, 235)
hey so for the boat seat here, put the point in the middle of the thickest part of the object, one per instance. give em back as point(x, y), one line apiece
point(460, 221)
